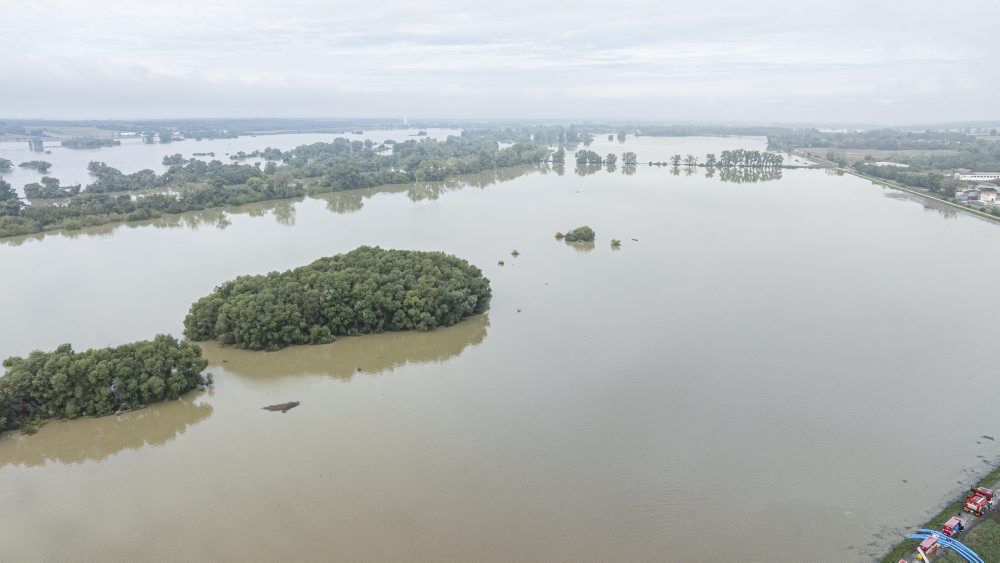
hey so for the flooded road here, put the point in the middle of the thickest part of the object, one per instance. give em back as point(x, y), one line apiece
point(753, 375)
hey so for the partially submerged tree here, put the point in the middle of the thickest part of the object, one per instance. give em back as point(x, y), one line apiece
point(581, 234)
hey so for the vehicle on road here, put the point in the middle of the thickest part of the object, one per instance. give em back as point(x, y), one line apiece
point(979, 501)
point(953, 526)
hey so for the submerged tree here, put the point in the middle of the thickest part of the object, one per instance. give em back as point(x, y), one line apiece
point(39, 165)
point(581, 234)
point(750, 159)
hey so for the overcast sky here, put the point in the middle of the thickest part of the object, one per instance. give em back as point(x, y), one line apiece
point(875, 61)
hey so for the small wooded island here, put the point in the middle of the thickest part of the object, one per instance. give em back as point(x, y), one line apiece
point(68, 384)
point(580, 234)
point(367, 290)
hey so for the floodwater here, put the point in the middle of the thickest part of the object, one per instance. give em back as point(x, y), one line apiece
point(774, 371)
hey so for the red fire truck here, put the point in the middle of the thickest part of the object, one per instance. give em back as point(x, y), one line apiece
point(979, 501)
point(953, 526)
point(928, 546)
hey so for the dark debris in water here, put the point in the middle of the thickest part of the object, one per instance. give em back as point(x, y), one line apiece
point(282, 407)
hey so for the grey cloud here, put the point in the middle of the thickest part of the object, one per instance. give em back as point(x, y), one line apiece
point(766, 62)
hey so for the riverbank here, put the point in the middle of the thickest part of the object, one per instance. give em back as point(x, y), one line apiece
point(981, 535)
point(890, 184)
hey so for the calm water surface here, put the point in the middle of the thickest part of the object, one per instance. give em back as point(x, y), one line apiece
point(754, 377)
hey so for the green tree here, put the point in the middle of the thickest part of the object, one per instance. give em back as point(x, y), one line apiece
point(67, 384)
point(581, 234)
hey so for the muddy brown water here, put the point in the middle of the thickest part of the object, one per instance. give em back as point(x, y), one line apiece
point(754, 378)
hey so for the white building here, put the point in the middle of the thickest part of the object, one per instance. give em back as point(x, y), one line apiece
point(978, 176)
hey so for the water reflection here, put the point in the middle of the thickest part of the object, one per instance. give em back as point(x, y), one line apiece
point(749, 175)
point(946, 211)
point(582, 246)
point(93, 439)
point(374, 353)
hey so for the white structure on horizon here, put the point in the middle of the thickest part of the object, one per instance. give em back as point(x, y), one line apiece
point(406, 121)
point(978, 176)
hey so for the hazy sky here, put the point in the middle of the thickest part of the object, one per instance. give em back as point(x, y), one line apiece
point(873, 61)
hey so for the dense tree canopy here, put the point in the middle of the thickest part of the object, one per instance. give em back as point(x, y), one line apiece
point(581, 234)
point(5, 165)
point(367, 290)
point(90, 143)
point(49, 189)
point(67, 384)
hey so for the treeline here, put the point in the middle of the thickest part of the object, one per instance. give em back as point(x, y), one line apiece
point(91, 209)
point(49, 188)
point(932, 181)
point(269, 153)
point(68, 384)
point(90, 143)
point(739, 158)
point(558, 135)
point(367, 290)
point(194, 171)
point(881, 139)
point(340, 165)
point(39, 165)
point(694, 130)
point(982, 155)
point(6, 165)
point(750, 159)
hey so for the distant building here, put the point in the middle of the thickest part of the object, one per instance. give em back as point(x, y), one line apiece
point(970, 195)
point(892, 164)
point(987, 193)
point(978, 176)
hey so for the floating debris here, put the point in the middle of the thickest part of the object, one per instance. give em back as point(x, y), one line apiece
point(283, 407)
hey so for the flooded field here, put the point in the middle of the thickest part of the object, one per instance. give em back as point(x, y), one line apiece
point(748, 377)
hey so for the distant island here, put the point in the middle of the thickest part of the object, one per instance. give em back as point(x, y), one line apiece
point(367, 290)
point(90, 143)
